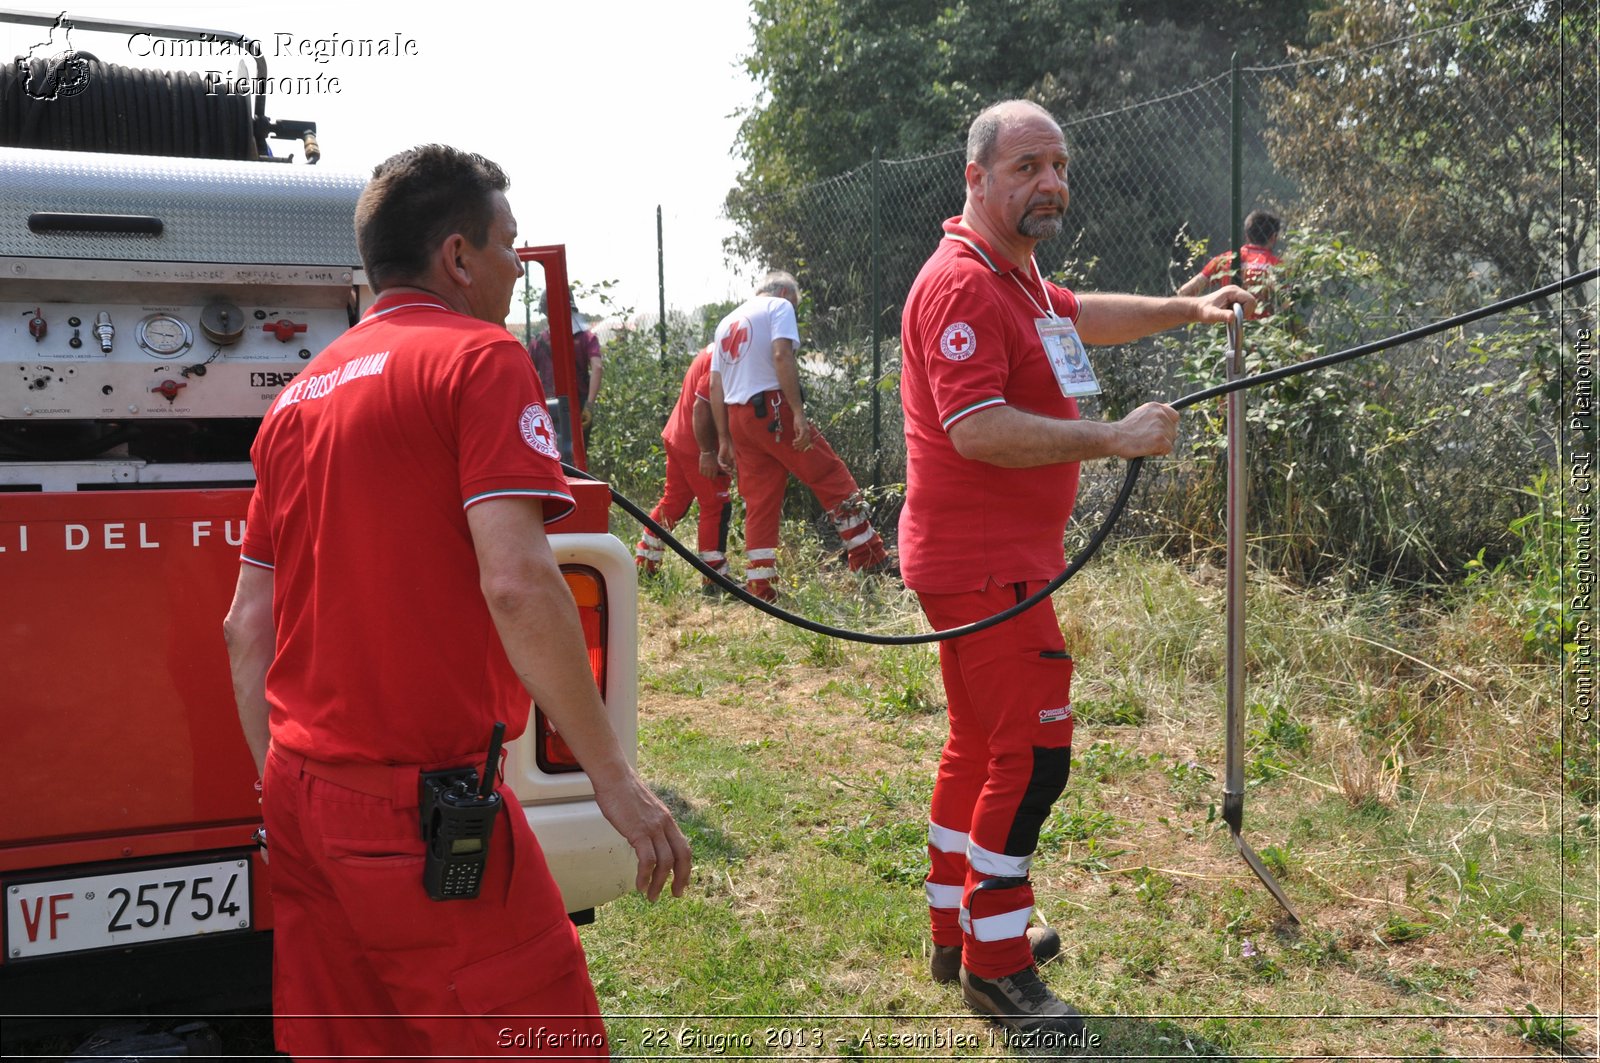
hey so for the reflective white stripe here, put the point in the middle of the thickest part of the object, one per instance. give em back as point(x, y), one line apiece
point(648, 555)
point(997, 865)
point(941, 896)
point(946, 840)
point(760, 573)
point(650, 540)
point(1000, 927)
point(712, 557)
point(762, 555)
point(864, 537)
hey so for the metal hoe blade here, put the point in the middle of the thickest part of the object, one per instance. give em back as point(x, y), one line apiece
point(1233, 785)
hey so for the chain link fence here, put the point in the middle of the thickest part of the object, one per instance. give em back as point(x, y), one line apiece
point(1426, 171)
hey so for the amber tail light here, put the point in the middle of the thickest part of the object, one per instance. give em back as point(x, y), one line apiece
point(589, 592)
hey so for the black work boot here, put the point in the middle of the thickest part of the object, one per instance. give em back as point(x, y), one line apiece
point(1022, 1003)
point(945, 963)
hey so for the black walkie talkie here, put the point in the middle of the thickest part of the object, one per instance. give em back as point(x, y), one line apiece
point(458, 810)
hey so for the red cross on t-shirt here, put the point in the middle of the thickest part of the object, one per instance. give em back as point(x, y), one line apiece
point(959, 341)
point(733, 343)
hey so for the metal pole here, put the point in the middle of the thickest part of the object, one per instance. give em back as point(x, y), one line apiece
point(661, 284)
point(1236, 136)
point(667, 394)
point(1233, 786)
point(877, 357)
point(1237, 492)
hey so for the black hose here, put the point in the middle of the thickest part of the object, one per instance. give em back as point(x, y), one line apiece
point(1114, 513)
point(120, 109)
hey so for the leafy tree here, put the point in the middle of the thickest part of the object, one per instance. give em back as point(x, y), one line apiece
point(1472, 142)
point(843, 78)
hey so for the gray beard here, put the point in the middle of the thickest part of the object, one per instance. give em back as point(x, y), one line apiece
point(1040, 226)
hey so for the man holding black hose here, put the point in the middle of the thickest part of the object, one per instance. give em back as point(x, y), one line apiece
point(397, 597)
point(993, 357)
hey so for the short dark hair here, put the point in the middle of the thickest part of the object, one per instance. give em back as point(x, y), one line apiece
point(415, 200)
point(984, 133)
point(1262, 226)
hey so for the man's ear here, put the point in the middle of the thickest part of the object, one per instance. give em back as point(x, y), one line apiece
point(452, 260)
point(975, 175)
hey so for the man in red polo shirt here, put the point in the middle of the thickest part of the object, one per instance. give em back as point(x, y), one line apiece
point(397, 596)
point(693, 475)
point(993, 443)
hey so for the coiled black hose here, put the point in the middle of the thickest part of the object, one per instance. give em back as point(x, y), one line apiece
point(1128, 481)
point(75, 102)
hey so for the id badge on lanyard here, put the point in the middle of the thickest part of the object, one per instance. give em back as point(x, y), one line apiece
point(1068, 359)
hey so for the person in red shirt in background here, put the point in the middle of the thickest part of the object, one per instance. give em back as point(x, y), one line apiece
point(397, 597)
point(693, 475)
point(1261, 230)
point(993, 442)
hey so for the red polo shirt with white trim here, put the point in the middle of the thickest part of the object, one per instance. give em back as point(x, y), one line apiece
point(969, 343)
point(366, 465)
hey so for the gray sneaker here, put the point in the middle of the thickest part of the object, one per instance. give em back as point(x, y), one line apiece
point(945, 963)
point(1021, 1002)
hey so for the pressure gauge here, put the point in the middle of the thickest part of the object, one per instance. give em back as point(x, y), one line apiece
point(164, 335)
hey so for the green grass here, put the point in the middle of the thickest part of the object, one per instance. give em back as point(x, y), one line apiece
point(1405, 785)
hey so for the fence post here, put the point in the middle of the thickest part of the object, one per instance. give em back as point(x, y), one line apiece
point(661, 323)
point(877, 312)
point(1236, 134)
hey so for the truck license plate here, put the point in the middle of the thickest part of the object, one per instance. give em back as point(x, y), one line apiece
point(128, 908)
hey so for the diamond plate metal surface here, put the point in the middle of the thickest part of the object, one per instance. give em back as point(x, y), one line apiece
point(211, 210)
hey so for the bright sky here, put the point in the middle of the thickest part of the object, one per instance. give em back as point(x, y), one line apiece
point(597, 110)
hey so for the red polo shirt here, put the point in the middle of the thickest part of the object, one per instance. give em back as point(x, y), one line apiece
point(366, 465)
point(1258, 264)
point(969, 343)
point(679, 433)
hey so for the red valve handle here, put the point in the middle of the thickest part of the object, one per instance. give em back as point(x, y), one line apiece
point(283, 328)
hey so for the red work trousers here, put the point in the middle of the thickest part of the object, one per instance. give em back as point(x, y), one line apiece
point(766, 458)
point(364, 964)
point(684, 486)
point(1005, 762)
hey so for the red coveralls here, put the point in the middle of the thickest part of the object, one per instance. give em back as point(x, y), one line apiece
point(685, 485)
point(975, 539)
point(387, 663)
point(762, 427)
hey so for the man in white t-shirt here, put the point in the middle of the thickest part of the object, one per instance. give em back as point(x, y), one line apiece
point(762, 428)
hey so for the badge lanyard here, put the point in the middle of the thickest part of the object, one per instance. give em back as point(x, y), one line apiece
point(1062, 345)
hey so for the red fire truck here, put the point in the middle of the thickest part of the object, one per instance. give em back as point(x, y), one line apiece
point(152, 305)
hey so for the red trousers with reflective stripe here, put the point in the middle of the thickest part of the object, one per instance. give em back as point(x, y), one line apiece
point(364, 964)
point(686, 485)
point(1009, 690)
point(766, 458)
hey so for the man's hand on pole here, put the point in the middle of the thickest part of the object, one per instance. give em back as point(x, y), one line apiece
point(1216, 308)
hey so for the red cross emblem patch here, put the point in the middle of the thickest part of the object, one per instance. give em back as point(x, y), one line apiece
point(737, 339)
point(959, 342)
point(539, 431)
